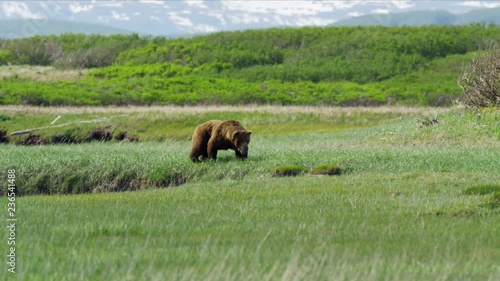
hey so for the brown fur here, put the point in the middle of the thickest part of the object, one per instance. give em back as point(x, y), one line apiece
point(215, 135)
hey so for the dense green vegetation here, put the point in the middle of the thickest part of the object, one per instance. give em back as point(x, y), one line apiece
point(412, 202)
point(317, 66)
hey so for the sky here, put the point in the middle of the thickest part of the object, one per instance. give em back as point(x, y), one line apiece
point(204, 16)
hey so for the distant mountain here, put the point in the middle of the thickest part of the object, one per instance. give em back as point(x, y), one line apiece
point(486, 16)
point(418, 18)
point(18, 28)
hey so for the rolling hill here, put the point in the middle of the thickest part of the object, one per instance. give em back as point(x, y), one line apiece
point(419, 18)
point(13, 29)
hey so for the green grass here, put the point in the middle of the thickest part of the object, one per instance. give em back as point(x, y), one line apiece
point(398, 211)
point(482, 189)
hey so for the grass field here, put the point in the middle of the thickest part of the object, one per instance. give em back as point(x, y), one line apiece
point(413, 201)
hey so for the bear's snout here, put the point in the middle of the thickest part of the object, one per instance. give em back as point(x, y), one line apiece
point(243, 149)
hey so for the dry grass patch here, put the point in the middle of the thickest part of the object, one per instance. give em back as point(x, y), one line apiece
point(328, 111)
point(40, 73)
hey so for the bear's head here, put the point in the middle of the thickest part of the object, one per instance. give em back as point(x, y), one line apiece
point(241, 139)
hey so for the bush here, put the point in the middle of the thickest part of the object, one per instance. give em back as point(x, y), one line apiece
point(481, 82)
point(95, 56)
point(5, 57)
point(32, 51)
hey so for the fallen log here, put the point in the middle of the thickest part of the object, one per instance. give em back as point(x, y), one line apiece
point(27, 131)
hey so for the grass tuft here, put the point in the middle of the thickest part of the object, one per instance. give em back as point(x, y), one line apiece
point(493, 200)
point(327, 169)
point(483, 189)
point(4, 117)
point(288, 171)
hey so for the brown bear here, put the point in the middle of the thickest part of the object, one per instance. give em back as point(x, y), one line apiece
point(215, 135)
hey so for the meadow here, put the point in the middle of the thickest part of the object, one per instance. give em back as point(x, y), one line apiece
point(415, 200)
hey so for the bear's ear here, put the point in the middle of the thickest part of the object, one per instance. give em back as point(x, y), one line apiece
point(235, 134)
point(249, 132)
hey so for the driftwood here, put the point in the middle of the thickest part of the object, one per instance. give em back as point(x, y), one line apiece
point(27, 131)
point(55, 120)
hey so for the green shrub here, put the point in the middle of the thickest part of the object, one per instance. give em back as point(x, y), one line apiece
point(5, 57)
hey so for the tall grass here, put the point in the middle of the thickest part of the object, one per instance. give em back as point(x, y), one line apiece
point(398, 211)
point(460, 142)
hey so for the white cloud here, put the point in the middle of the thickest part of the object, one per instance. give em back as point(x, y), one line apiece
point(491, 5)
point(196, 4)
point(400, 5)
point(203, 28)
point(471, 4)
point(51, 8)
point(12, 9)
point(103, 19)
point(187, 25)
point(276, 19)
point(152, 2)
point(118, 16)
point(75, 8)
point(380, 11)
point(287, 8)
point(216, 14)
point(245, 18)
point(314, 21)
point(109, 4)
point(480, 4)
point(356, 14)
point(178, 20)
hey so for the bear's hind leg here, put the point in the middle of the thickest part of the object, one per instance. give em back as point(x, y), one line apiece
point(199, 148)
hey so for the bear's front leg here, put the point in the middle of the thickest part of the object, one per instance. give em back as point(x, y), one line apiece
point(212, 149)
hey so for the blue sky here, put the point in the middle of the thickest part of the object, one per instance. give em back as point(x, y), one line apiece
point(193, 17)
